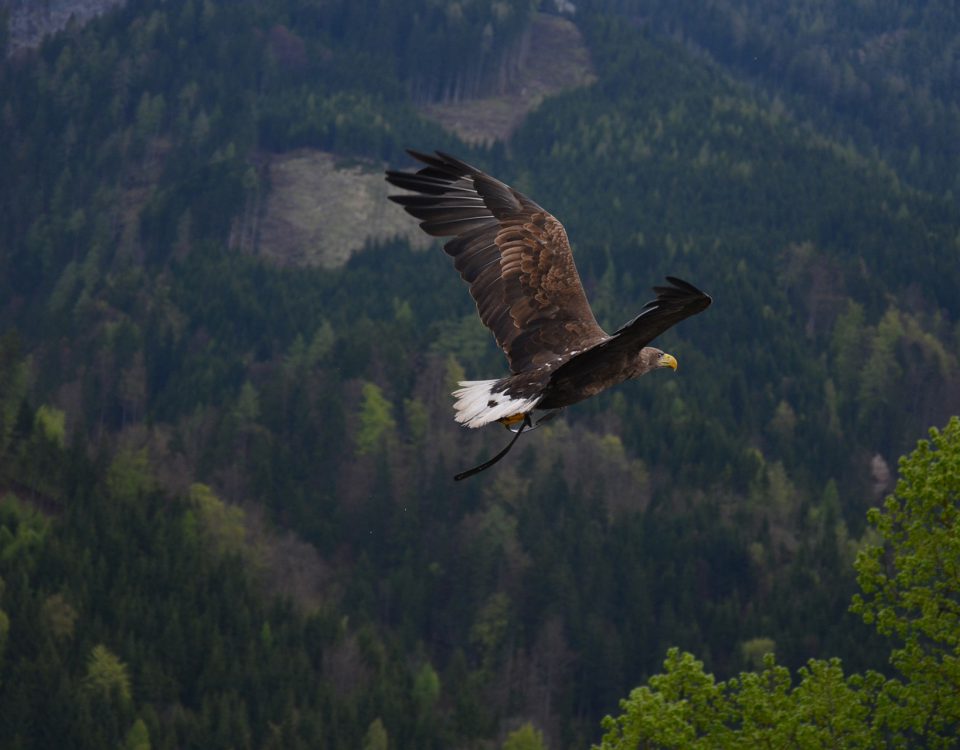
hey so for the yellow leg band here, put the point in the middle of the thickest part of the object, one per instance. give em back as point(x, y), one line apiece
point(512, 419)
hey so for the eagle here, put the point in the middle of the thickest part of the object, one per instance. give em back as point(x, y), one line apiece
point(517, 261)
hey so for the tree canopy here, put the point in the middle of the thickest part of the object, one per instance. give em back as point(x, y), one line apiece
point(910, 588)
point(226, 515)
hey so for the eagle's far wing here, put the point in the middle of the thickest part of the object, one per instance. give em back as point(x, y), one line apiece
point(514, 255)
point(672, 304)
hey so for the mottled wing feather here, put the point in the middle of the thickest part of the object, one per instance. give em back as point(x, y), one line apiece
point(547, 302)
point(514, 255)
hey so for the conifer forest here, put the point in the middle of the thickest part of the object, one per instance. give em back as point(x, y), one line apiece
point(227, 445)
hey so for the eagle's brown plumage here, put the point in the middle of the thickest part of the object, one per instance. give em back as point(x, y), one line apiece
point(514, 255)
point(516, 258)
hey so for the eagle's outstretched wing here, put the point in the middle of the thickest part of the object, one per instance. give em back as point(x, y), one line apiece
point(672, 304)
point(514, 255)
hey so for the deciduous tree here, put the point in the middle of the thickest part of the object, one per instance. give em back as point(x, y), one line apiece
point(910, 584)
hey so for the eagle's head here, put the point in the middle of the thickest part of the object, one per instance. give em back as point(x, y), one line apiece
point(651, 358)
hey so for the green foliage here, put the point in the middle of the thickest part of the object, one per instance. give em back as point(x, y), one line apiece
point(755, 649)
point(376, 420)
point(52, 425)
point(59, 617)
point(23, 529)
point(223, 525)
point(138, 738)
point(686, 708)
point(910, 588)
point(910, 584)
point(426, 689)
point(130, 475)
point(417, 420)
point(527, 737)
point(376, 737)
point(490, 629)
point(247, 408)
point(107, 676)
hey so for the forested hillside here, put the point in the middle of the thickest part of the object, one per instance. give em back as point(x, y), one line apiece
point(227, 514)
point(30, 22)
point(881, 76)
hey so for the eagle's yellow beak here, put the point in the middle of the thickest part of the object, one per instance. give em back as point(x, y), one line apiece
point(668, 360)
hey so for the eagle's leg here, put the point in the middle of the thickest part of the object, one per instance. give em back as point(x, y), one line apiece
point(501, 454)
point(514, 423)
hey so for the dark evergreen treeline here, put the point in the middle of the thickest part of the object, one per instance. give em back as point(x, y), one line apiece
point(130, 619)
point(530, 597)
point(441, 51)
point(716, 510)
point(881, 75)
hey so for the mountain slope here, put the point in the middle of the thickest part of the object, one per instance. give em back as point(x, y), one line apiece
point(158, 351)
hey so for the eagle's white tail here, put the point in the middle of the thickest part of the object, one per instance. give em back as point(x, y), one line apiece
point(478, 405)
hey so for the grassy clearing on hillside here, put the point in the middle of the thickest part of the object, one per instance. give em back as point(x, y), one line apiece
point(556, 60)
point(319, 213)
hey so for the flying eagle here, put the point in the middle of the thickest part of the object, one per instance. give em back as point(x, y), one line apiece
point(517, 260)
